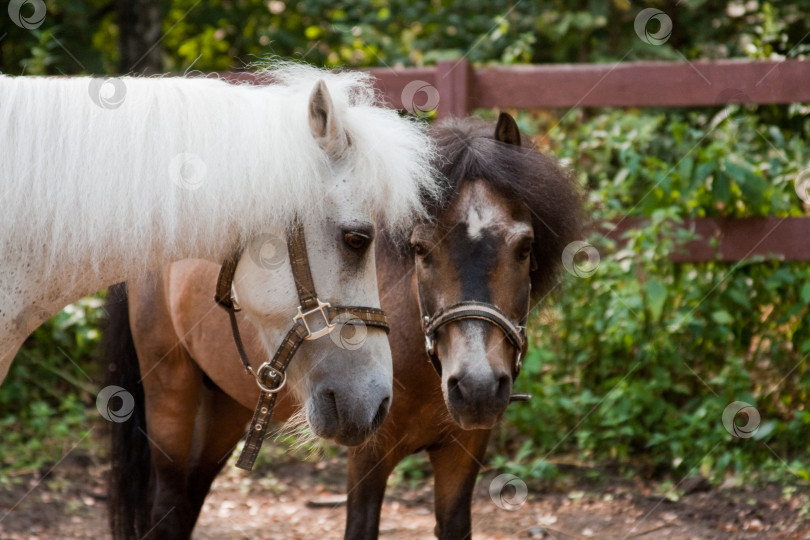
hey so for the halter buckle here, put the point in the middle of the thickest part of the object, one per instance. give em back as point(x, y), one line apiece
point(234, 299)
point(429, 345)
point(302, 316)
point(274, 372)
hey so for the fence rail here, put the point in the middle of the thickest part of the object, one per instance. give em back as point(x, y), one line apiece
point(462, 88)
point(736, 239)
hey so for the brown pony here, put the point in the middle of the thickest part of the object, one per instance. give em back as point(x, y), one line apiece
point(496, 239)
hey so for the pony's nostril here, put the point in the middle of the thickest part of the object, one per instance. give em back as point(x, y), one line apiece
point(382, 411)
point(330, 404)
point(454, 392)
point(504, 388)
point(384, 405)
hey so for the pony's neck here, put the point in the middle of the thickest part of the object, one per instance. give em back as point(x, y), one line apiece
point(93, 272)
point(30, 298)
point(35, 290)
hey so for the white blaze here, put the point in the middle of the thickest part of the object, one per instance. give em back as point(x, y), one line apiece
point(478, 220)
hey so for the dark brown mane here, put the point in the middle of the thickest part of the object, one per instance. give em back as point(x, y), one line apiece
point(468, 150)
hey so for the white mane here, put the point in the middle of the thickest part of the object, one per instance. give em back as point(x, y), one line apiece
point(78, 179)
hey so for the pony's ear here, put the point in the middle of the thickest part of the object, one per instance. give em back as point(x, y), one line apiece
point(324, 123)
point(506, 130)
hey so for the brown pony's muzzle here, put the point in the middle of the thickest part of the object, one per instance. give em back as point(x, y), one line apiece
point(477, 379)
point(478, 402)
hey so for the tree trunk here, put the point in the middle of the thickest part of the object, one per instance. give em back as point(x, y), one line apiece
point(140, 33)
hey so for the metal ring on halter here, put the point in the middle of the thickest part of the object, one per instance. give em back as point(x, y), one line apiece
point(258, 376)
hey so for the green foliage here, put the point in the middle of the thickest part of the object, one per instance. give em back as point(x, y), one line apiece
point(47, 402)
point(638, 362)
point(79, 36)
point(411, 471)
point(525, 463)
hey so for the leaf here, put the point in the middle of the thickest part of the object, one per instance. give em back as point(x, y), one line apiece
point(313, 32)
point(805, 293)
point(685, 169)
point(722, 317)
point(776, 135)
point(740, 297)
point(764, 430)
point(721, 187)
point(656, 297)
point(703, 171)
point(752, 186)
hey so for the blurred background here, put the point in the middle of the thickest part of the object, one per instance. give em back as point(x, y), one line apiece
point(631, 366)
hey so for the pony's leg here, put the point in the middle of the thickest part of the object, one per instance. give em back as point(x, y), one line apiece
point(455, 465)
point(171, 389)
point(221, 424)
point(369, 468)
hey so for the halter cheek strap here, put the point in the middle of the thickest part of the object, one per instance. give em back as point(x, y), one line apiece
point(271, 376)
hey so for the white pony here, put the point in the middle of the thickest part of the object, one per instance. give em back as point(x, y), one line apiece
point(101, 180)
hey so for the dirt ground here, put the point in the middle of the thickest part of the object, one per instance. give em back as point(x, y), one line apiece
point(292, 499)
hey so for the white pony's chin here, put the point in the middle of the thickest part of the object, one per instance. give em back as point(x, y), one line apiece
point(304, 440)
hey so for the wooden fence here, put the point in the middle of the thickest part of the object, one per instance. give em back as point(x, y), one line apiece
point(457, 89)
point(626, 84)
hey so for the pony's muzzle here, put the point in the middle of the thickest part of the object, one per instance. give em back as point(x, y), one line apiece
point(348, 418)
point(477, 401)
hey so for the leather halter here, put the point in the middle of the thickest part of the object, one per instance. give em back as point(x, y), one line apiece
point(515, 333)
point(271, 375)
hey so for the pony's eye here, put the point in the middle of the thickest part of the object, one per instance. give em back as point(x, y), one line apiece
point(419, 249)
point(355, 240)
point(524, 250)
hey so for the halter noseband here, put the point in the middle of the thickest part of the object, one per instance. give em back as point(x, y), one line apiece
point(271, 376)
point(515, 333)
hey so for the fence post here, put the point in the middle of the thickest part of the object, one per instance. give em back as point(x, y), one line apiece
point(453, 81)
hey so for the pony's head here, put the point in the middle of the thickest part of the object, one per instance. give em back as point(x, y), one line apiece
point(359, 154)
point(497, 239)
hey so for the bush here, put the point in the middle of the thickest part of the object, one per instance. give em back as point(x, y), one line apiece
point(217, 35)
point(637, 362)
point(47, 402)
